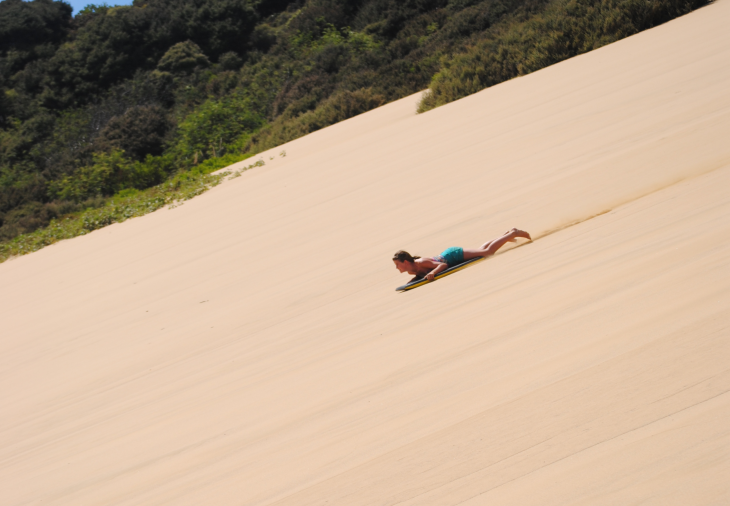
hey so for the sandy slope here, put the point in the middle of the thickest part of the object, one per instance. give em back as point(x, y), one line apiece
point(248, 347)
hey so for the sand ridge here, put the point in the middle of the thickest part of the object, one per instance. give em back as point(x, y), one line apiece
point(248, 347)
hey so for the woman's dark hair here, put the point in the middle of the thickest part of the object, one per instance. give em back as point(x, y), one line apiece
point(404, 256)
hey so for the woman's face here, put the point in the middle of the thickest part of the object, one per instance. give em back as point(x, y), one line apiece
point(404, 266)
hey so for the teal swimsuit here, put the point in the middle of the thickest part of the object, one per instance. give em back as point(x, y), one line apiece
point(451, 256)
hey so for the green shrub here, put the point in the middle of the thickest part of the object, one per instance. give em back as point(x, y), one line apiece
point(110, 173)
point(139, 132)
point(338, 107)
point(183, 57)
point(105, 177)
point(214, 128)
point(230, 61)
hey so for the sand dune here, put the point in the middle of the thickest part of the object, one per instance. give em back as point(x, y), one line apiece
point(248, 347)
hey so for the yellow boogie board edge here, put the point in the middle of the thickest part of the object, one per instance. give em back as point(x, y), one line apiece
point(422, 281)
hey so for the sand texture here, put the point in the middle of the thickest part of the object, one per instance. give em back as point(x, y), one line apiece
point(248, 347)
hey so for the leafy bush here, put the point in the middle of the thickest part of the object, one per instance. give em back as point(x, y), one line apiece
point(230, 61)
point(214, 128)
point(139, 132)
point(110, 173)
point(339, 107)
point(32, 216)
point(183, 57)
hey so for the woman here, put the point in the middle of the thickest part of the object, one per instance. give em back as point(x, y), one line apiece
point(430, 267)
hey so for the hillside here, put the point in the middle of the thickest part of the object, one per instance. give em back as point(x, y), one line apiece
point(249, 348)
point(106, 115)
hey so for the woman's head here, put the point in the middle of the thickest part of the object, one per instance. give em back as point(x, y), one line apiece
point(404, 261)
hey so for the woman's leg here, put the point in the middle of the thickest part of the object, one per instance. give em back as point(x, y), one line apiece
point(486, 244)
point(491, 247)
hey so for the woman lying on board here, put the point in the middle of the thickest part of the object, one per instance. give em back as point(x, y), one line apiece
point(430, 267)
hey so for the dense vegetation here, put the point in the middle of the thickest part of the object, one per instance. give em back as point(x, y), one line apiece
point(116, 100)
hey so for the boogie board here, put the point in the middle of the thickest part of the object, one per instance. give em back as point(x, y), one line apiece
point(422, 281)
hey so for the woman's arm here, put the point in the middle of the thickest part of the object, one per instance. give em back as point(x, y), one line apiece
point(441, 267)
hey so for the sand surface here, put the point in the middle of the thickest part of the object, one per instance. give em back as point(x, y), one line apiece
point(248, 347)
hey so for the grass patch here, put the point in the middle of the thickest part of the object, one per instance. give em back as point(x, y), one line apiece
point(127, 204)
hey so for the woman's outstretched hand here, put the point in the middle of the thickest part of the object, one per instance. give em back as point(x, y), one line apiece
point(441, 267)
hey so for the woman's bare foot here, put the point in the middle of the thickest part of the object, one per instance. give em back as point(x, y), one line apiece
point(516, 232)
point(510, 232)
point(511, 239)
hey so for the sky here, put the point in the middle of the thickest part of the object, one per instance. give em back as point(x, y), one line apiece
point(80, 4)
